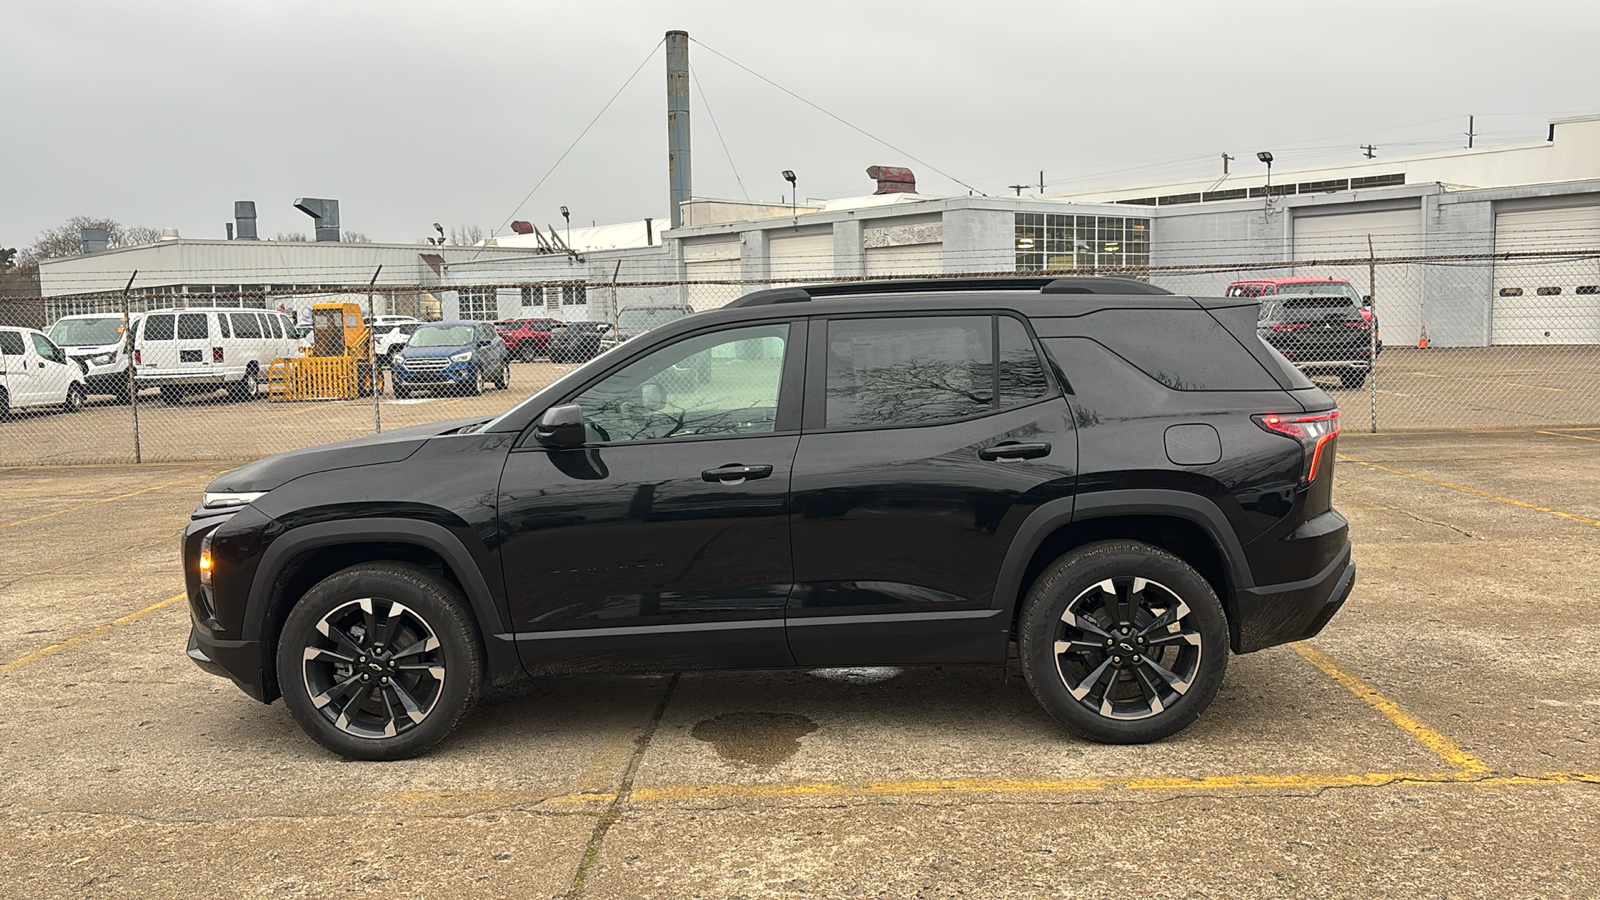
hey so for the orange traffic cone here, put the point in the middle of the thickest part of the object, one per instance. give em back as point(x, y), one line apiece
point(1422, 342)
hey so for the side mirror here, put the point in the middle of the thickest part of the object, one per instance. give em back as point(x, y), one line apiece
point(561, 427)
point(1366, 299)
point(651, 396)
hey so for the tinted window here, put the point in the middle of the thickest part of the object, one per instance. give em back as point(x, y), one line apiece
point(158, 328)
point(246, 325)
point(274, 323)
point(708, 385)
point(1021, 374)
point(11, 343)
point(193, 327)
point(884, 372)
point(1184, 349)
point(222, 325)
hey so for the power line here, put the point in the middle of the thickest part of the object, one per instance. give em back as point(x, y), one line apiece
point(649, 56)
point(712, 116)
point(839, 119)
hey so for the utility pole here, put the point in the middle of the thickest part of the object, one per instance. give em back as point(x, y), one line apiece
point(678, 170)
point(1225, 160)
point(1041, 182)
point(1470, 132)
point(1017, 187)
point(1370, 149)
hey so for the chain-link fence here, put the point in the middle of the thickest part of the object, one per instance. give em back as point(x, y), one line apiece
point(1508, 340)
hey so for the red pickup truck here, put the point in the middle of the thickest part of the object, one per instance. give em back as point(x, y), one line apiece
point(526, 338)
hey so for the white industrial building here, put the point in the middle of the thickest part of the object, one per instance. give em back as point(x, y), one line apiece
point(1542, 196)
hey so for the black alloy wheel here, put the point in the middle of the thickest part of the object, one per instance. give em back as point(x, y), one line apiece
point(1123, 642)
point(379, 661)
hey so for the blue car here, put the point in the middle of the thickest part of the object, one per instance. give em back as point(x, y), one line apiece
point(452, 356)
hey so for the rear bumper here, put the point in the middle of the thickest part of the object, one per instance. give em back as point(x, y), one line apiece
point(1274, 614)
point(152, 379)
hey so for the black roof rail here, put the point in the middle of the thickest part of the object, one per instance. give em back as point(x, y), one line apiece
point(1044, 285)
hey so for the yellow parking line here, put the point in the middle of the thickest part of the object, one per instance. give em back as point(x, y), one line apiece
point(62, 512)
point(1442, 746)
point(1514, 502)
point(1576, 437)
point(92, 633)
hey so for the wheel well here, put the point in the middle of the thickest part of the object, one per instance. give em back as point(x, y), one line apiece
point(305, 570)
point(1180, 537)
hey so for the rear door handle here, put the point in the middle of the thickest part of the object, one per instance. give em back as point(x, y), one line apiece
point(1014, 450)
point(735, 474)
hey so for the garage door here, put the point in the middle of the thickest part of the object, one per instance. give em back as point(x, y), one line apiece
point(800, 258)
point(1547, 301)
point(908, 259)
point(1395, 232)
point(712, 261)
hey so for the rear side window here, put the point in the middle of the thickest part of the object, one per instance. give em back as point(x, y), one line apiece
point(246, 325)
point(222, 325)
point(158, 328)
point(193, 327)
point(277, 326)
point(910, 371)
point(1021, 374)
point(1184, 349)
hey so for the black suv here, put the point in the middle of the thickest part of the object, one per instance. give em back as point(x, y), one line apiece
point(1119, 483)
point(1324, 332)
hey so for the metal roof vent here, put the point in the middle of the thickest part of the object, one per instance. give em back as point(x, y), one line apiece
point(244, 213)
point(325, 213)
point(893, 179)
point(169, 234)
point(94, 239)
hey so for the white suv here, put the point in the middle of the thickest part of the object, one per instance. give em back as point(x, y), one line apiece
point(35, 372)
point(196, 351)
point(96, 341)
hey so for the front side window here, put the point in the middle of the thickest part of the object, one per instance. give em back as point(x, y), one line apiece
point(709, 385)
point(909, 371)
point(47, 350)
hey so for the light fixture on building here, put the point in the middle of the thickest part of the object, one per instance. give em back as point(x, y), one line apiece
point(794, 194)
point(568, 216)
point(1266, 157)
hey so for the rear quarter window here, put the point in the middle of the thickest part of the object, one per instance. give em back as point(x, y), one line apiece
point(11, 343)
point(1183, 349)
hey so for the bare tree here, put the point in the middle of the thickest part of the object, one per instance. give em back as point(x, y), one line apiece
point(465, 235)
point(356, 237)
point(66, 239)
point(297, 237)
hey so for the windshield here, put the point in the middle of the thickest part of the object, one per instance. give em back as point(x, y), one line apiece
point(87, 332)
point(1326, 288)
point(442, 336)
point(647, 318)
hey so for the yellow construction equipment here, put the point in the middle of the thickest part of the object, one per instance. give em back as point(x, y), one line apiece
point(337, 365)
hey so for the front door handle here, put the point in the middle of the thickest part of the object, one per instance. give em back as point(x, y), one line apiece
point(735, 473)
point(1014, 450)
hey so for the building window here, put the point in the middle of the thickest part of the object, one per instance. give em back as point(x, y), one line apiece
point(1371, 181)
point(527, 295)
point(479, 304)
point(1548, 291)
point(574, 295)
point(1046, 241)
point(1511, 292)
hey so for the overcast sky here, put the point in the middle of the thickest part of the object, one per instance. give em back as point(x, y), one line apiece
point(163, 114)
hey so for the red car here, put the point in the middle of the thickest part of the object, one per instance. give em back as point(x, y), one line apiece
point(526, 338)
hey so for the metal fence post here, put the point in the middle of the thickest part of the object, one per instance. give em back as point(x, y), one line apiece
point(127, 350)
point(372, 359)
point(1372, 333)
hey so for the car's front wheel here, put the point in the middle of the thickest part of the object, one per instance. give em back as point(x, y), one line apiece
point(1353, 379)
point(380, 661)
point(1123, 642)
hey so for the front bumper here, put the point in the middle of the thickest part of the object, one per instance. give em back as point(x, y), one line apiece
point(456, 373)
point(1274, 614)
point(223, 658)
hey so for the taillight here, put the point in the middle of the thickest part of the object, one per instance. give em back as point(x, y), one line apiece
point(216, 354)
point(138, 358)
point(1361, 324)
point(1313, 432)
point(1290, 327)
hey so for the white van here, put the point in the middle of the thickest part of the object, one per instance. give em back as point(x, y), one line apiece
point(35, 372)
point(197, 351)
point(96, 341)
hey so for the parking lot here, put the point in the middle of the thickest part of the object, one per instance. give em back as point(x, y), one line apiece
point(1445, 723)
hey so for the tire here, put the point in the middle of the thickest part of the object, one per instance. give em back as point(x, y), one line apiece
point(474, 387)
point(1118, 694)
point(408, 700)
point(171, 396)
point(401, 393)
point(5, 406)
point(247, 388)
point(75, 398)
point(1353, 380)
point(119, 390)
point(526, 351)
point(503, 381)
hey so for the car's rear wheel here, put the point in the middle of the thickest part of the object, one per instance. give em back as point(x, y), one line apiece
point(75, 397)
point(246, 388)
point(1353, 379)
point(380, 661)
point(526, 351)
point(1123, 642)
point(171, 396)
point(503, 380)
point(5, 405)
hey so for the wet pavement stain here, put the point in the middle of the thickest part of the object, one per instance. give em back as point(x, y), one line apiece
point(760, 739)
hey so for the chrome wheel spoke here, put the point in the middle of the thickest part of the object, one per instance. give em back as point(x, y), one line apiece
point(1174, 681)
point(407, 702)
point(1148, 689)
point(357, 700)
point(323, 654)
point(422, 646)
point(1078, 645)
point(334, 693)
point(1174, 638)
point(1089, 681)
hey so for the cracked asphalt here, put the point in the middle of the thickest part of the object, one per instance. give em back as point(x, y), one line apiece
point(1440, 739)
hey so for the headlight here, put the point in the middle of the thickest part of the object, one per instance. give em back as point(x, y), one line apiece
point(463, 356)
point(104, 359)
point(225, 499)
